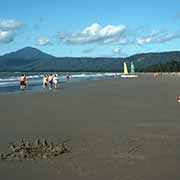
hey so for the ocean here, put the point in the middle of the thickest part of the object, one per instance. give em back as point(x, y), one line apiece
point(9, 81)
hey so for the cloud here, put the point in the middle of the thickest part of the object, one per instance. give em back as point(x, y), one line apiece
point(156, 37)
point(9, 24)
point(86, 51)
point(96, 34)
point(6, 36)
point(8, 30)
point(43, 41)
point(117, 51)
point(114, 35)
point(168, 37)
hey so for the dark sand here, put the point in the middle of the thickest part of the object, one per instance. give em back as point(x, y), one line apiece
point(122, 129)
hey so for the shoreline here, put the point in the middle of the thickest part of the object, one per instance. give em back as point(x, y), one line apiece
point(37, 86)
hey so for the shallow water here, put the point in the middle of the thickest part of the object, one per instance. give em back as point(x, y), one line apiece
point(9, 81)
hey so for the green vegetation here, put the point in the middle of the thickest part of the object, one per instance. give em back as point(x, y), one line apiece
point(31, 59)
point(172, 66)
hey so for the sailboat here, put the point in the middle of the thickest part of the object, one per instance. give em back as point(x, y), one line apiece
point(126, 73)
point(132, 68)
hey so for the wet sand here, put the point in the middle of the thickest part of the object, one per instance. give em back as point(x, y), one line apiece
point(122, 129)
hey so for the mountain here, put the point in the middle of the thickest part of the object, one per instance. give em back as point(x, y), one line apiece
point(27, 53)
point(32, 59)
point(24, 59)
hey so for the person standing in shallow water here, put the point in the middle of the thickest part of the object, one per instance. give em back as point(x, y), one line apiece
point(22, 82)
point(55, 80)
point(50, 80)
point(45, 81)
point(68, 76)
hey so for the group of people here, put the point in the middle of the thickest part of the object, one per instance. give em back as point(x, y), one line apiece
point(49, 81)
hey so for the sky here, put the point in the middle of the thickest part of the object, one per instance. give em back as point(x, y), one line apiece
point(82, 28)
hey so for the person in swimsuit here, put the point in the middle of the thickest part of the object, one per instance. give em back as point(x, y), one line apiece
point(22, 82)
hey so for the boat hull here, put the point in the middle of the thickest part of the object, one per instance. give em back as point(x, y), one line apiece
point(129, 76)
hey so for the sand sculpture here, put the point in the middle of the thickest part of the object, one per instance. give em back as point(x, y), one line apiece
point(25, 150)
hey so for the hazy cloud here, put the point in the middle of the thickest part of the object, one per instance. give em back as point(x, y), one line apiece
point(86, 51)
point(8, 30)
point(6, 36)
point(9, 24)
point(156, 37)
point(43, 41)
point(117, 51)
point(96, 34)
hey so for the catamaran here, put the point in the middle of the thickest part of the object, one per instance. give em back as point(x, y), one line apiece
point(126, 73)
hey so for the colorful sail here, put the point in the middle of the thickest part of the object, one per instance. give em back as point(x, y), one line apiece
point(125, 68)
point(132, 68)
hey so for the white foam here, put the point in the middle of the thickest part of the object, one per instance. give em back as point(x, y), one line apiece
point(78, 75)
point(94, 75)
point(34, 76)
point(8, 79)
point(5, 84)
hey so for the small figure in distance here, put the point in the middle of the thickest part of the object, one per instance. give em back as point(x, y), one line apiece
point(50, 80)
point(68, 76)
point(55, 80)
point(45, 81)
point(22, 81)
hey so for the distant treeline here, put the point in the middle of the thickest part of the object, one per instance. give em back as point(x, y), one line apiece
point(173, 66)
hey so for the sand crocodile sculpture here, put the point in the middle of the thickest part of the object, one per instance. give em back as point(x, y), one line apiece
point(25, 150)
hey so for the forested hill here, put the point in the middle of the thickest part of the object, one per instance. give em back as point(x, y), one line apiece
point(32, 59)
point(173, 66)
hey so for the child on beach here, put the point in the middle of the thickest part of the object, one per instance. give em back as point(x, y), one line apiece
point(22, 81)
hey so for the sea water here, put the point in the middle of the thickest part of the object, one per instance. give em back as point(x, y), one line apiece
point(9, 81)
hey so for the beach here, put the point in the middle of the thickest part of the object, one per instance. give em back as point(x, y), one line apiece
point(126, 129)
